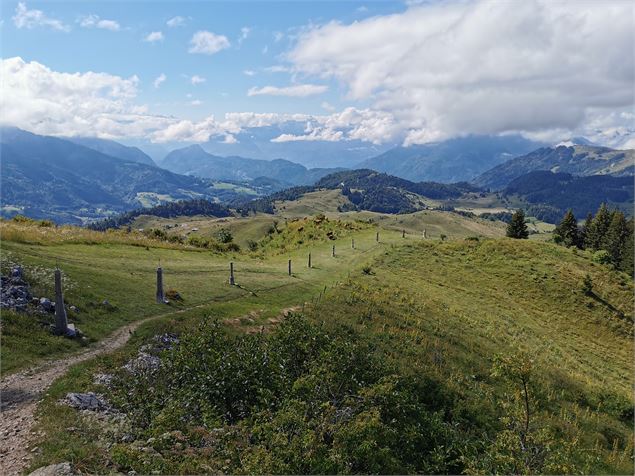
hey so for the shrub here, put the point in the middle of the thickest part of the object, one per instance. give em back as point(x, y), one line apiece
point(224, 235)
point(252, 245)
point(602, 257)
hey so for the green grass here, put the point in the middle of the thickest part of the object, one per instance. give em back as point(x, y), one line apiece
point(441, 308)
point(125, 276)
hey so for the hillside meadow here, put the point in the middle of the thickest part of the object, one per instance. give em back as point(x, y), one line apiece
point(442, 341)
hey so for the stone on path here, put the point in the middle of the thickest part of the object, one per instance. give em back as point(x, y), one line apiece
point(59, 469)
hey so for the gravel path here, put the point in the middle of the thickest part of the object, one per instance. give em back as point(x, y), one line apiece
point(21, 392)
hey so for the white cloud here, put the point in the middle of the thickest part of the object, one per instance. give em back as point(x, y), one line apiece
point(278, 69)
point(196, 102)
point(44, 101)
point(154, 37)
point(482, 67)
point(175, 22)
point(208, 43)
point(327, 106)
point(25, 18)
point(244, 34)
point(278, 36)
point(298, 90)
point(93, 21)
point(159, 79)
point(249, 72)
point(196, 79)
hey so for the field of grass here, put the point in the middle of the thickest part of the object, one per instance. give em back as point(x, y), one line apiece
point(111, 269)
point(443, 309)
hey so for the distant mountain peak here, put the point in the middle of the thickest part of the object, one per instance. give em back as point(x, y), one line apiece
point(573, 141)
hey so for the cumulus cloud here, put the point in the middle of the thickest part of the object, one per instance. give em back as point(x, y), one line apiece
point(159, 80)
point(25, 18)
point(93, 21)
point(44, 101)
point(175, 22)
point(154, 37)
point(249, 72)
point(196, 79)
point(297, 90)
point(208, 43)
point(481, 67)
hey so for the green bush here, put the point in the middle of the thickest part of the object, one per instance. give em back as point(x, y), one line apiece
point(602, 257)
point(307, 399)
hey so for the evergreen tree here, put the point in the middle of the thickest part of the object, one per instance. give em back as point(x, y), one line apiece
point(598, 228)
point(584, 231)
point(615, 238)
point(567, 231)
point(517, 228)
point(628, 254)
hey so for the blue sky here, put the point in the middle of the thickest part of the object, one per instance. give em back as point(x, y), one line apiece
point(413, 72)
point(271, 28)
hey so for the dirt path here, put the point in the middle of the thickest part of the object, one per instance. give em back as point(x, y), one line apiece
point(21, 392)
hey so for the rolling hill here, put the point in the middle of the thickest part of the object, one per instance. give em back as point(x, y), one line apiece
point(575, 159)
point(194, 160)
point(453, 160)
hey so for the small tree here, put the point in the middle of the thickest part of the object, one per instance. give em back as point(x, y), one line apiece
point(517, 228)
point(567, 232)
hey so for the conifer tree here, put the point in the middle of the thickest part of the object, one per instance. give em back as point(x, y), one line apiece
point(615, 238)
point(598, 228)
point(517, 228)
point(584, 231)
point(567, 231)
point(628, 253)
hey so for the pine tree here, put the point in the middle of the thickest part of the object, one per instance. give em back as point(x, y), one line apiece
point(517, 228)
point(615, 238)
point(628, 253)
point(598, 228)
point(584, 231)
point(567, 232)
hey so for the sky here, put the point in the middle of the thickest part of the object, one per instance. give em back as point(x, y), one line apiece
point(407, 72)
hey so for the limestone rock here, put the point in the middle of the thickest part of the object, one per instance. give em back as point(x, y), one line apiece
point(87, 401)
point(60, 469)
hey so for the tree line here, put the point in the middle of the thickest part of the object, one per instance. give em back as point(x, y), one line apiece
point(607, 233)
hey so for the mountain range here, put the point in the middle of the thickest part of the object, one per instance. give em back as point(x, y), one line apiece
point(194, 160)
point(271, 142)
point(453, 160)
point(575, 159)
point(49, 177)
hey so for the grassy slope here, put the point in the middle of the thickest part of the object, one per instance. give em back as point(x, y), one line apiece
point(448, 307)
point(125, 276)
